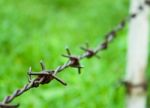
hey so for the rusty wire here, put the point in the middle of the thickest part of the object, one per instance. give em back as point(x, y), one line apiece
point(46, 76)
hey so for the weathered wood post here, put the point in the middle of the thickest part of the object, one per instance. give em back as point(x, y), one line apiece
point(137, 57)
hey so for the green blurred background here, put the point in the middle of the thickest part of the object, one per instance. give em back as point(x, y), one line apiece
point(31, 30)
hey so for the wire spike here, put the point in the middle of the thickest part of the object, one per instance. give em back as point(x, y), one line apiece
point(42, 65)
point(97, 56)
point(29, 72)
point(59, 80)
point(68, 51)
point(79, 70)
point(84, 49)
point(87, 45)
point(67, 56)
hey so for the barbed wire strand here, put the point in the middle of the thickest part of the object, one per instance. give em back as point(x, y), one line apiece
point(46, 76)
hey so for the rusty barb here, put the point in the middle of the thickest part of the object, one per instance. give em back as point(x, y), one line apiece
point(90, 52)
point(45, 76)
point(74, 60)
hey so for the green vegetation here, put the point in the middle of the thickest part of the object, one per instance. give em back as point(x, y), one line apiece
point(31, 30)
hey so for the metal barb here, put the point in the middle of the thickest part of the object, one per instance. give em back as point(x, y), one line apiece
point(45, 76)
point(74, 61)
point(56, 78)
point(29, 74)
point(89, 52)
point(42, 65)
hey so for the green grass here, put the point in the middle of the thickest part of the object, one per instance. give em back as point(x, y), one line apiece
point(31, 30)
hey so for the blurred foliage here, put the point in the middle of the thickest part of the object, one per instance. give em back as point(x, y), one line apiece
point(31, 30)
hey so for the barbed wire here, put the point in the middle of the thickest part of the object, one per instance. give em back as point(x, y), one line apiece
point(46, 76)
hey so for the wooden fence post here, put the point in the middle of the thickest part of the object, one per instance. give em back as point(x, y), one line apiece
point(137, 57)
